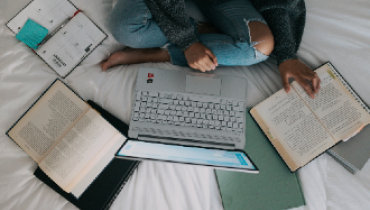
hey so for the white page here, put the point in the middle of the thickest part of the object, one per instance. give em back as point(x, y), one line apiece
point(335, 106)
point(81, 35)
point(51, 117)
point(295, 126)
point(71, 44)
point(78, 147)
point(98, 167)
point(48, 13)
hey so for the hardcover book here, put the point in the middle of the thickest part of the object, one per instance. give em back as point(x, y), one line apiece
point(71, 142)
point(105, 188)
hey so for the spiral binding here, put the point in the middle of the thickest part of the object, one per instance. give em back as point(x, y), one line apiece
point(349, 88)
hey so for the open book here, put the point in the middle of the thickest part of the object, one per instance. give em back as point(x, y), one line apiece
point(68, 139)
point(302, 128)
point(71, 36)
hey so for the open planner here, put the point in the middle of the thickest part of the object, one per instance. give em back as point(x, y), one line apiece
point(58, 33)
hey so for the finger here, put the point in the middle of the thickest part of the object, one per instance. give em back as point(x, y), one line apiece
point(319, 86)
point(316, 84)
point(212, 56)
point(285, 79)
point(312, 76)
point(194, 66)
point(209, 64)
point(307, 87)
point(309, 75)
point(200, 67)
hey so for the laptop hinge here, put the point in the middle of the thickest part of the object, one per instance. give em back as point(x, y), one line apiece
point(189, 142)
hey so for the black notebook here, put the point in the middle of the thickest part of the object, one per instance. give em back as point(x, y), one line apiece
point(105, 188)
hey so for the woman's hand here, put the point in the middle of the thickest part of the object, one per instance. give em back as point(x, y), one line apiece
point(200, 57)
point(297, 70)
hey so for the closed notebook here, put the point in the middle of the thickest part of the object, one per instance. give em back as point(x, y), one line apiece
point(274, 188)
point(355, 153)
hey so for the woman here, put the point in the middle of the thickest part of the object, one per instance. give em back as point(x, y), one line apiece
point(246, 32)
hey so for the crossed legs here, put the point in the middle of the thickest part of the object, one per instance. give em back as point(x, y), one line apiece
point(252, 40)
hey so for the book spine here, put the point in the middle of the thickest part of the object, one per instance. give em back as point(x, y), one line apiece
point(347, 165)
point(349, 88)
point(122, 185)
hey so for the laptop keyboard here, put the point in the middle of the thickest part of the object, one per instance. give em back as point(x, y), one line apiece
point(189, 110)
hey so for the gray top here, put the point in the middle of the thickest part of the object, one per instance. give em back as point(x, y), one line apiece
point(286, 19)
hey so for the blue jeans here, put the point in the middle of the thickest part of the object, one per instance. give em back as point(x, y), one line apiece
point(133, 25)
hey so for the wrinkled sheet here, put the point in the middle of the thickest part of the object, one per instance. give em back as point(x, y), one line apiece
point(338, 31)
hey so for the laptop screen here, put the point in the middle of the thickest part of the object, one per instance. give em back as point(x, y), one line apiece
point(219, 158)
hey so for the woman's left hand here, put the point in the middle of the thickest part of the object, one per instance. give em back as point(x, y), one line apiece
point(297, 70)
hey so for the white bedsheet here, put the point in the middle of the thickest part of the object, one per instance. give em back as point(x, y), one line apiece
point(338, 31)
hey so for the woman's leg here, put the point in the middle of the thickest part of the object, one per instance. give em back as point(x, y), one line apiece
point(245, 38)
point(132, 24)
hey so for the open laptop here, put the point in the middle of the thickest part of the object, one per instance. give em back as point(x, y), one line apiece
point(189, 109)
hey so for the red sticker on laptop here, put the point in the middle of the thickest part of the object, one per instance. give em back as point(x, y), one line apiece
point(150, 75)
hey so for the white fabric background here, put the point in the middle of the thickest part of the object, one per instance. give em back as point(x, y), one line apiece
point(338, 31)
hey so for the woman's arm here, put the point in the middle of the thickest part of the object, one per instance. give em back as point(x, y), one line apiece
point(172, 18)
point(286, 19)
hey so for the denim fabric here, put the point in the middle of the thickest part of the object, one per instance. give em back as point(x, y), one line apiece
point(132, 24)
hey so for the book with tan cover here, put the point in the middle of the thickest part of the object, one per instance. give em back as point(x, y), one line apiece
point(302, 128)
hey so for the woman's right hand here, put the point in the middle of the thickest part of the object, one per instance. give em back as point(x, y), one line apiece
point(200, 57)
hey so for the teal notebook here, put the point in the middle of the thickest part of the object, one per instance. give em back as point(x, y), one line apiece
point(274, 188)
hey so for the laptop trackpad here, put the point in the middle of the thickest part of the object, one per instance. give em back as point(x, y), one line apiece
point(203, 85)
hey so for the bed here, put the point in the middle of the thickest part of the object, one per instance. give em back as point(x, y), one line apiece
point(336, 31)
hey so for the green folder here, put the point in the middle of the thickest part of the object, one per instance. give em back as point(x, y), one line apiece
point(273, 188)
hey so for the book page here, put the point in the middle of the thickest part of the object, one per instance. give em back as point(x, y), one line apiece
point(48, 13)
point(38, 131)
point(293, 124)
point(96, 166)
point(336, 108)
point(78, 147)
point(71, 44)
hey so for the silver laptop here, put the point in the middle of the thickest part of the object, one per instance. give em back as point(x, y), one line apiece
point(189, 108)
